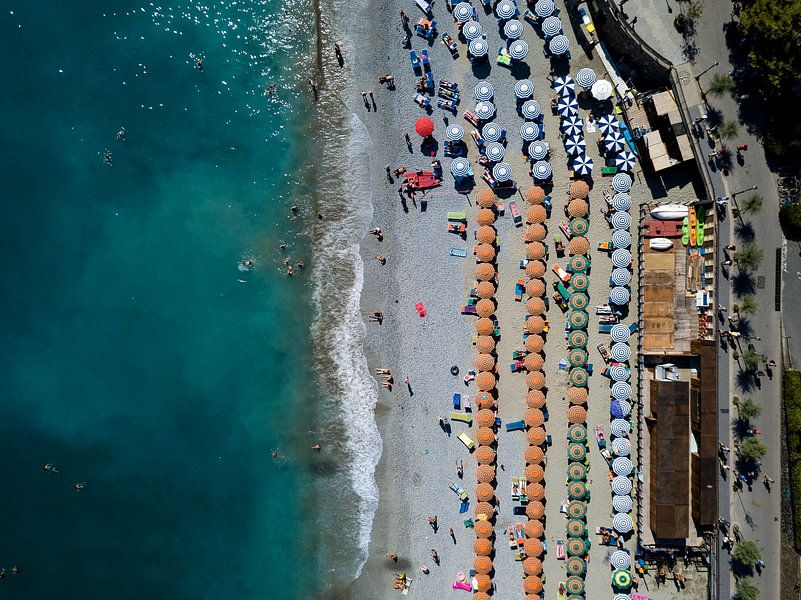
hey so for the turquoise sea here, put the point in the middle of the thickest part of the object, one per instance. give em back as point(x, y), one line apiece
point(137, 357)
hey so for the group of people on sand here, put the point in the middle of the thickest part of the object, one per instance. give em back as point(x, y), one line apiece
point(388, 380)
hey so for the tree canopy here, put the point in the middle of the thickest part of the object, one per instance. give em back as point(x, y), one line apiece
point(747, 553)
point(772, 27)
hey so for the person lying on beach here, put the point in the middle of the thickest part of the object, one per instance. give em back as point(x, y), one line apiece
point(386, 79)
point(392, 556)
point(399, 171)
point(382, 259)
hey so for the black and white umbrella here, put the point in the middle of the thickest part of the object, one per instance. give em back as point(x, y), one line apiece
point(564, 86)
point(502, 172)
point(606, 123)
point(524, 89)
point(485, 110)
point(518, 49)
point(544, 8)
point(567, 106)
point(575, 145)
point(622, 466)
point(623, 407)
point(621, 182)
point(621, 390)
point(618, 373)
point(551, 26)
point(505, 9)
point(478, 47)
point(620, 277)
point(621, 485)
point(621, 257)
point(483, 91)
point(495, 151)
point(531, 109)
point(542, 170)
point(620, 428)
point(530, 132)
point(586, 77)
point(572, 126)
point(619, 295)
point(621, 220)
point(620, 351)
point(559, 45)
point(463, 11)
point(620, 559)
point(582, 164)
point(491, 132)
point(513, 29)
point(614, 141)
point(602, 90)
point(460, 167)
point(621, 201)
point(472, 30)
point(620, 333)
point(454, 132)
point(625, 161)
point(621, 446)
point(537, 151)
point(622, 523)
point(621, 238)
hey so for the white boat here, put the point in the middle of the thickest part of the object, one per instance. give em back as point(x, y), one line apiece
point(661, 244)
point(670, 212)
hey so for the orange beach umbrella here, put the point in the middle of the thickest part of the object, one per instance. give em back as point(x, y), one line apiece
point(535, 268)
point(535, 398)
point(482, 564)
point(485, 289)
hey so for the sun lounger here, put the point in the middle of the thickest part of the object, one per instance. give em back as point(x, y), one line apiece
point(458, 491)
point(516, 426)
point(465, 439)
point(461, 585)
point(472, 118)
point(518, 366)
point(424, 5)
point(565, 229)
point(561, 273)
point(468, 310)
point(457, 216)
point(466, 403)
point(604, 328)
point(415, 60)
point(422, 101)
point(520, 537)
point(408, 583)
point(458, 252)
point(457, 400)
point(463, 417)
point(425, 59)
point(599, 437)
point(453, 48)
point(560, 549)
point(562, 291)
point(633, 328)
point(516, 216)
point(608, 171)
point(604, 352)
point(510, 533)
point(520, 287)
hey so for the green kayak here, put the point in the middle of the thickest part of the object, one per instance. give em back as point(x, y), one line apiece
point(685, 231)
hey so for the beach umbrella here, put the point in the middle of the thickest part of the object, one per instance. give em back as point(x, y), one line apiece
point(482, 547)
point(579, 189)
point(579, 301)
point(485, 343)
point(576, 471)
point(567, 106)
point(485, 399)
point(575, 566)
point(582, 164)
point(485, 216)
point(535, 268)
point(486, 474)
point(621, 446)
point(576, 452)
point(534, 473)
point(621, 238)
point(531, 109)
point(577, 357)
point(536, 214)
point(471, 31)
point(577, 395)
point(577, 433)
point(513, 29)
point(578, 377)
point(463, 12)
point(579, 226)
point(536, 436)
point(624, 406)
point(575, 585)
point(606, 123)
point(485, 110)
point(620, 352)
point(625, 161)
point(621, 485)
point(621, 257)
point(454, 132)
point(483, 90)
point(486, 198)
point(505, 9)
point(535, 380)
point(485, 272)
point(483, 583)
point(544, 8)
point(577, 546)
point(484, 492)
point(614, 142)
point(529, 132)
point(621, 201)
point(622, 466)
point(535, 491)
point(559, 45)
point(602, 90)
point(534, 455)
point(620, 559)
point(577, 509)
point(535, 233)
point(485, 418)
point(619, 295)
point(485, 308)
point(579, 245)
point(535, 287)
point(532, 565)
point(502, 171)
point(578, 264)
point(491, 132)
point(575, 145)
point(533, 527)
point(485, 234)
point(620, 276)
point(487, 510)
point(620, 333)
point(534, 417)
point(485, 381)
point(535, 398)
point(551, 26)
point(577, 339)
point(495, 151)
point(537, 151)
point(485, 326)
point(617, 597)
point(534, 194)
point(518, 49)
point(485, 252)
point(482, 564)
point(534, 343)
point(572, 125)
point(621, 220)
point(578, 319)
point(460, 167)
point(424, 126)
point(478, 47)
point(621, 578)
point(622, 503)
point(615, 410)
point(542, 170)
point(579, 282)
point(622, 523)
point(564, 86)
point(576, 415)
point(576, 490)
point(485, 436)
point(621, 390)
point(486, 289)
point(532, 584)
point(621, 182)
point(485, 455)
point(618, 373)
point(523, 88)
point(586, 77)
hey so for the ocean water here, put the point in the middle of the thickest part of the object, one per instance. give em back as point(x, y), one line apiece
point(137, 357)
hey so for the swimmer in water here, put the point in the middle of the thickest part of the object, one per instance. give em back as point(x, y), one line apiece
point(294, 208)
point(276, 454)
point(51, 468)
point(289, 270)
point(107, 157)
point(271, 89)
point(79, 487)
point(316, 447)
point(121, 135)
point(300, 264)
point(283, 246)
point(199, 64)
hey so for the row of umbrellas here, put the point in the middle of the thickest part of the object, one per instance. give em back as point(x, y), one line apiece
point(565, 86)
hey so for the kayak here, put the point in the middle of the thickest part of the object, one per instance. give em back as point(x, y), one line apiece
point(685, 231)
point(661, 243)
point(693, 223)
point(699, 228)
point(670, 212)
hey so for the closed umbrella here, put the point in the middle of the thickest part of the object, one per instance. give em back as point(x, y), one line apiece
point(621, 201)
point(579, 282)
point(621, 182)
point(621, 485)
point(621, 257)
point(454, 132)
point(614, 142)
point(564, 86)
point(572, 125)
point(472, 30)
point(483, 89)
point(618, 373)
point(575, 145)
point(491, 132)
point(620, 352)
point(620, 276)
point(518, 49)
point(538, 150)
point(602, 90)
point(551, 26)
point(621, 578)
point(567, 106)
point(582, 164)
point(620, 559)
point(621, 446)
point(559, 45)
point(485, 110)
point(577, 339)
point(502, 172)
point(619, 295)
point(620, 333)
point(478, 47)
point(606, 123)
point(460, 167)
point(463, 11)
point(625, 161)
point(621, 390)
point(621, 238)
point(621, 220)
point(513, 29)
point(523, 88)
point(505, 9)
point(544, 8)
point(622, 466)
point(542, 170)
point(531, 110)
point(495, 151)
point(622, 503)
point(529, 132)
point(586, 77)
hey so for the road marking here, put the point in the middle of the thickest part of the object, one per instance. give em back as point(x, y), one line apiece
point(778, 282)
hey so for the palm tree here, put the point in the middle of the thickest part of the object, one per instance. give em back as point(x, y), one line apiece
point(752, 359)
point(747, 553)
point(752, 205)
point(753, 449)
point(720, 84)
point(729, 130)
point(748, 409)
point(746, 590)
point(749, 257)
point(748, 306)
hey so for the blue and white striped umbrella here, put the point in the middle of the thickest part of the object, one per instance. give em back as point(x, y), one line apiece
point(542, 170)
point(454, 132)
point(621, 201)
point(567, 106)
point(620, 333)
point(575, 145)
point(621, 257)
point(559, 45)
point(463, 11)
point(524, 89)
point(614, 141)
point(529, 132)
point(502, 172)
point(483, 91)
point(586, 77)
point(621, 238)
point(513, 29)
point(621, 485)
point(621, 182)
point(618, 373)
point(518, 49)
point(620, 277)
point(485, 110)
point(607, 123)
point(622, 523)
point(621, 390)
point(472, 30)
point(621, 220)
point(572, 125)
point(622, 406)
point(460, 167)
point(544, 8)
point(505, 9)
point(625, 161)
point(619, 295)
point(621, 447)
point(551, 26)
point(620, 559)
point(582, 164)
point(531, 110)
point(622, 466)
point(537, 151)
point(620, 352)
point(495, 151)
point(621, 597)
point(478, 47)
point(564, 86)
point(491, 132)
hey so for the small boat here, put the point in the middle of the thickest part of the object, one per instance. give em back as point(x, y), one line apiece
point(685, 231)
point(692, 223)
point(662, 243)
point(670, 212)
point(699, 226)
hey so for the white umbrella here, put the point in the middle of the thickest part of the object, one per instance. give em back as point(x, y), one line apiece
point(586, 77)
point(518, 49)
point(551, 26)
point(564, 86)
point(621, 390)
point(513, 29)
point(621, 238)
point(602, 90)
point(505, 9)
point(572, 126)
point(621, 597)
point(537, 151)
point(567, 106)
point(621, 220)
point(454, 132)
point(620, 351)
point(606, 123)
point(524, 89)
point(542, 170)
point(621, 201)
point(460, 167)
point(495, 151)
point(485, 110)
point(614, 141)
point(624, 406)
point(626, 161)
point(544, 8)
point(501, 172)
point(622, 466)
point(621, 446)
point(529, 132)
point(622, 523)
point(620, 559)
point(531, 110)
point(559, 45)
point(621, 485)
point(491, 132)
point(621, 182)
point(620, 428)
point(472, 30)
point(618, 373)
point(478, 47)
point(619, 295)
point(483, 91)
point(620, 277)
point(619, 332)
point(621, 257)
point(582, 164)
point(575, 145)
point(463, 11)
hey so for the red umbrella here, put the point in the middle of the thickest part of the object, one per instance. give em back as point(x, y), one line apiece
point(424, 126)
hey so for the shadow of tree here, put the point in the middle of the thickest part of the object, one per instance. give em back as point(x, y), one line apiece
point(745, 380)
point(744, 232)
point(745, 327)
point(739, 427)
point(714, 117)
point(743, 284)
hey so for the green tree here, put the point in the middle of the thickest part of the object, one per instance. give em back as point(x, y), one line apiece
point(747, 553)
point(746, 590)
point(748, 305)
point(720, 84)
point(749, 257)
point(752, 359)
point(752, 204)
point(748, 409)
point(790, 218)
point(771, 28)
point(729, 130)
point(694, 11)
point(753, 450)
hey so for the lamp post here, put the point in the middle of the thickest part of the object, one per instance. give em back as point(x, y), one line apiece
point(702, 73)
point(751, 189)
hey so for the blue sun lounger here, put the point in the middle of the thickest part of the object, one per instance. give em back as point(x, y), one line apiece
point(457, 252)
point(516, 426)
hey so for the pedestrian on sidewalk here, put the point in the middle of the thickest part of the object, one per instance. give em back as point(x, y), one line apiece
point(727, 263)
point(742, 148)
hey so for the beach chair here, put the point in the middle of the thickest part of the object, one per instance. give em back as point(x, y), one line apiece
point(560, 549)
point(415, 60)
point(457, 216)
point(463, 417)
point(452, 47)
point(424, 5)
point(565, 229)
point(517, 366)
point(604, 352)
point(520, 287)
point(561, 273)
point(520, 536)
point(516, 216)
point(408, 583)
point(634, 328)
point(424, 58)
point(516, 426)
point(604, 327)
point(457, 400)
point(422, 101)
point(608, 171)
point(510, 533)
point(562, 291)
point(456, 489)
point(458, 252)
point(530, 18)
point(465, 439)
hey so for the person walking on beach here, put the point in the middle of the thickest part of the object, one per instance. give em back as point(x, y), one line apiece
point(392, 556)
point(435, 556)
point(452, 534)
point(338, 52)
point(408, 141)
point(432, 520)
